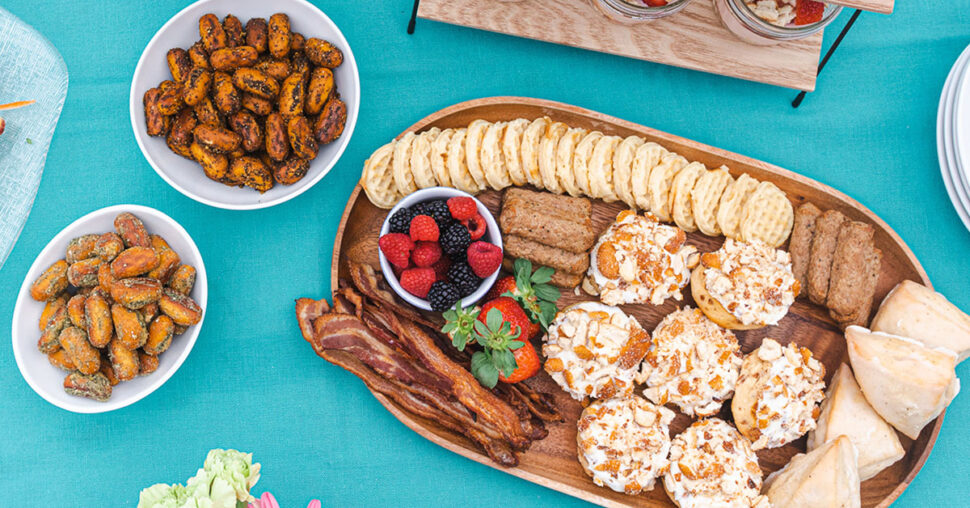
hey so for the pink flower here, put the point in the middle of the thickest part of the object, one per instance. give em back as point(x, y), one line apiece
point(268, 501)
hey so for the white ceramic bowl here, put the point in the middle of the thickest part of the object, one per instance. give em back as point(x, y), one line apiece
point(48, 380)
point(181, 32)
point(492, 235)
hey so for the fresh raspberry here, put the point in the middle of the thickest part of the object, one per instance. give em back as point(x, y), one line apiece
point(424, 229)
point(476, 226)
point(397, 271)
point(462, 208)
point(417, 281)
point(808, 12)
point(396, 248)
point(484, 258)
point(426, 254)
point(441, 268)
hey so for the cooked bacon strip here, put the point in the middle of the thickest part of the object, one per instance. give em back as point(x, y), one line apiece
point(373, 285)
point(540, 404)
point(351, 302)
point(307, 310)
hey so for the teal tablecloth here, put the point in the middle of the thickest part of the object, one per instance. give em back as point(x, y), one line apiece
point(252, 383)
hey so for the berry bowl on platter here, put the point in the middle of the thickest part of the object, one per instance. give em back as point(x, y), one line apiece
point(440, 245)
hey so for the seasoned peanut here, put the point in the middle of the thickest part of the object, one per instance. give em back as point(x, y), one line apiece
point(217, 139)
point(323, 53)
point(199, 56)
point(213, 35)
point(105, 280)
point(159, 335)
point(215, 165)
point(136, 292)
point(255, 82)
point(80, 248)
point(83, 355)
point(168, 262)
point(129, 327)
point(291, 171)
point(75, 311)
point(84, 273)
point(183, 280)
point(59, 320)
point(132, 230)
point(50, 309)
point(51, 283)
point(180, 135)
point(196, 86)
point(301, 137)
point(60, 360)
point(156, 124)
point(158, 243)
point(124, 360)
point(95, 386)
point(179, 64)
point(300, 64)
point(180, 329)
point(297, 41)
point(276, 69)
point(230, 59)
point(257, 105)
point(182, 309)
point(108, 246)
point(170, 101)
point(134, 261)
point(251, 172)
point(330, 123)
point(97, 314)
point(277, 142)
point(279, 35)
point(234, 31)
point(146, 363)
point(149, 312)
point(225, 96)
point(245, 124)
point(292, 96)
point(318, 90)
point(257, 34)
point(108, 371)
point(206, 113)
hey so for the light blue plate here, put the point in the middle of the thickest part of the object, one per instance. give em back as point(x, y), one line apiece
point(30, 68)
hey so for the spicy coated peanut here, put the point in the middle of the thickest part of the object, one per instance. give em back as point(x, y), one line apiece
point(51, 282)
point(129, 327)
point(86, 359)
point(124, 360)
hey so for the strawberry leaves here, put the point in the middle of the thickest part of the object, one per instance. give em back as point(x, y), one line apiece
point(534, 292)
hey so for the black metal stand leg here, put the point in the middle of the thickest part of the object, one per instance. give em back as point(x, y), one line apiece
point(838, 40)
point(414, 17)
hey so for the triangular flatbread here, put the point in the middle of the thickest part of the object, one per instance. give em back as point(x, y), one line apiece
point(916, 311)
point(907, 383)
point(846, 412)
point(826, 477)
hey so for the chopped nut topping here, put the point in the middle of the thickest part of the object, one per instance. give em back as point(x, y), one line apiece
point(753, 281)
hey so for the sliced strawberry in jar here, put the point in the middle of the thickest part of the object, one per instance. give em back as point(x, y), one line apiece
point(808, 12)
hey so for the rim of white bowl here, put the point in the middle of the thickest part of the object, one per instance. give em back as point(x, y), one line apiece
point(495, 235)
point(134, 99)
point(23, 297)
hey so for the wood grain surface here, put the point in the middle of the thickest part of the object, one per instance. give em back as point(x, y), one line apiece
point(880, 6)
point(693, 38)
point(552, 461)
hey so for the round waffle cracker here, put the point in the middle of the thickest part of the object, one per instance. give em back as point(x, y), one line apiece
point(679, 202)
point(547, 156)
point(659, 182)
point(401, 164)
point(600, 169)
point(511, 149)
point(473, 151)
point(377, 178)
point(581, 157)
point(623, 158)
point(530, 150)
point(439, 157)
point(768, 216)
point(705, 196)
point(421, 159)
point(564, 159)
point(732, 204)
point(646, 158)
point(493, 159)
point(461, 179)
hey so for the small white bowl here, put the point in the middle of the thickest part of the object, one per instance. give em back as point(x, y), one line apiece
point(47, 380)
point(182, 31)
point(492, 235)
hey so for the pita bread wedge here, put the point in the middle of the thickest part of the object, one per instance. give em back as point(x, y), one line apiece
point(846, 412)
point(916, 311)
point(907, 383)
point(826, 477)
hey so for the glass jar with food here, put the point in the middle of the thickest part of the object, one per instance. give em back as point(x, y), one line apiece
point(637, 11)
point(766, 22)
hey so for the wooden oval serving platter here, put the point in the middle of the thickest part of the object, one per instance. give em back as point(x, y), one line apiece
point(552, 462)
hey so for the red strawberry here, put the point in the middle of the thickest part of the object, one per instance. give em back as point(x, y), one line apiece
point(424, 229)
point(426, 253)
point(655, 3)
point(808, 12)
point(512, 313)
point(503, 285)
point(484, 258)
point(396, 248)
point(462, 207)
point(527, 364)
point(417, 281)
point(476, 226)
point(441, 268)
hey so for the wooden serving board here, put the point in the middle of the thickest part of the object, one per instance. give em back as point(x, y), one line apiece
point(692, 38)
point(552, 461)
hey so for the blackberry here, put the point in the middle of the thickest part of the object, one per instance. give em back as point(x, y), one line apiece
point(443, 296)
point(455, 240)
point(438, 210)
point(401, 220)
point(464, 278)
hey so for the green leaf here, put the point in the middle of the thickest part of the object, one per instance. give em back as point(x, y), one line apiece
point(494, 319)
point(482, 329)
point(547, 292)
point(505, 361)
point(449, 326)
point(450, 315)
point(484, 370)
point(548, 313)
point(515, 344)
point(522, 265)
point(30, 141)
point(459, 340)
point(542, 275)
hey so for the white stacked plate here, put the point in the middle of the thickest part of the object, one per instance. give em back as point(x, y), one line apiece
point(953, 136)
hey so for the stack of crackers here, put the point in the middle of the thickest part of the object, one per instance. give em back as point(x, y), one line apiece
point(836, 261)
